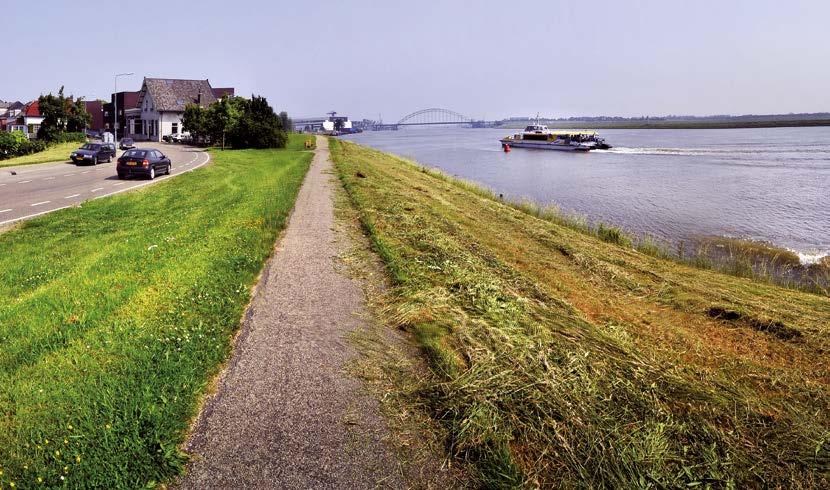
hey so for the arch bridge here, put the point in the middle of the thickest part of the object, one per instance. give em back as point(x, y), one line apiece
point(434, 116)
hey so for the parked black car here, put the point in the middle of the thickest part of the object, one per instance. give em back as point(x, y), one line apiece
point(127, 144)
point(93, 153)
point(145, 162)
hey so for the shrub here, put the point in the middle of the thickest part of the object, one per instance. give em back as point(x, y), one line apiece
point(11, 143)
point(16, 144)
point(69, 137)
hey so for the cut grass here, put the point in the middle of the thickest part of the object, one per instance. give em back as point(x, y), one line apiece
point(55, 153)
point(567, 359)
point(115, 316)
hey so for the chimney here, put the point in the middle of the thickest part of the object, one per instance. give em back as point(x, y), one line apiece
point(199, 98)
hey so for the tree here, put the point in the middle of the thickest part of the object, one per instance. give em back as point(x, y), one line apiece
point(287, 123)
point(55, 113)
point(61, 114)
point(78, 118)
point(194, 121)
point(223, 117)
point(258, 127)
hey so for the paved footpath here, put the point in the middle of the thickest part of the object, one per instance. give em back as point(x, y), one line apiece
point(286, 415)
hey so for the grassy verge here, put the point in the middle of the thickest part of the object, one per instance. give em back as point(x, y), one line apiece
point(115, 316)
point(55, 153)
point(563, 358)
point(743, 258)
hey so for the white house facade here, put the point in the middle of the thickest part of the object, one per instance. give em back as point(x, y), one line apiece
point(161, 105)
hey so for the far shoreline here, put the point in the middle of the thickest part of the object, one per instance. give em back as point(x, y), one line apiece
point(581, 124)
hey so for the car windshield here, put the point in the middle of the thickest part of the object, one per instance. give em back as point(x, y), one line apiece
point(135, 153)
point(126, 140)
point(89, 146)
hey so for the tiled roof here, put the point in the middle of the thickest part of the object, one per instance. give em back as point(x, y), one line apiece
point(33, 109)
point(173, 94)
point(223, 91)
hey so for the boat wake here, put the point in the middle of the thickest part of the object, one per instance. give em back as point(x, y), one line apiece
point(808, 258)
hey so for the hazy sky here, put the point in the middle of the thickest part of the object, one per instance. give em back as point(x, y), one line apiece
point(485, 59)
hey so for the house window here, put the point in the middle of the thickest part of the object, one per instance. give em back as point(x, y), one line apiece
point(175, 128)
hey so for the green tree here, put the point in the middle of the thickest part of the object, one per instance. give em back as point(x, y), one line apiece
point(61, 114)
point(78, 118)
point(258, 127)
point(55, 114)
point(194, 121)
point(287, 123)
point(223, 116)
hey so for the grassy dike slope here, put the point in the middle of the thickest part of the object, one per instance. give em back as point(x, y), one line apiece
point(58, 152)
point(561, 360)
point(115, 316)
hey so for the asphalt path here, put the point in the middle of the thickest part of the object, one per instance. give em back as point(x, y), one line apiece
point(32, 190)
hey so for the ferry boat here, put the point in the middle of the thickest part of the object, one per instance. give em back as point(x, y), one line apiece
point(539, 136)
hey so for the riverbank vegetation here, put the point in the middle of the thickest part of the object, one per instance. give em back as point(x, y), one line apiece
point(115, 316)
point(563, 356)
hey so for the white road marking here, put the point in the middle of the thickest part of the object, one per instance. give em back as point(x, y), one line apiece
point(24, 181)
point(49, 178)
point(5, 210)
point(32, 215)
point(39, 203)
point(120, 183)
point(202, 154)
point(1, 185)
point(67, 175)
point(98, 189)
point(73, 195)
point(86, 172)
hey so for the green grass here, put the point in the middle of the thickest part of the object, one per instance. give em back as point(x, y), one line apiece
point(115, 316)
point(54, 153)
point(297, 141)
point(562, 357)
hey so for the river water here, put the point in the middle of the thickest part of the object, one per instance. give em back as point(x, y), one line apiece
point(770, 184)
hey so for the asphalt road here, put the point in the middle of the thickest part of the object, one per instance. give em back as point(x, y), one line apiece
point(43, 188)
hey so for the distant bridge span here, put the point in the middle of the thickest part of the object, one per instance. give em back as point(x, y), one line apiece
point(434, 116)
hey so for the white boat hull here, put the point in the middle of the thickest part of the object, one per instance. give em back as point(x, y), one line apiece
point(544, 145)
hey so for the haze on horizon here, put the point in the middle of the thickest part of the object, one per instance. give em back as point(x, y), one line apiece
point(486, 59)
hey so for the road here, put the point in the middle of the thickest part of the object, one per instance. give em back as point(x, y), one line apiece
point(43, 188)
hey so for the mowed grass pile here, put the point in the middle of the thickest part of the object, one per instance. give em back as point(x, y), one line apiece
point(559, 359)
point(115, 316)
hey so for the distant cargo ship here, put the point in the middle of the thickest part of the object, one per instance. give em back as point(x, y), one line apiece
point(539, 136)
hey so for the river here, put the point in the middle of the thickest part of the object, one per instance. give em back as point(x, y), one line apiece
point(770, 184)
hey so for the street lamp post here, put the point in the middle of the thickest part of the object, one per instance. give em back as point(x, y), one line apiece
point(115, 105)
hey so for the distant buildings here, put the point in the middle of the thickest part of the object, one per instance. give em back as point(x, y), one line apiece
point(330, 124)
point(95, 108)
point(126, 101)
point(154, 111)
point(17, 116)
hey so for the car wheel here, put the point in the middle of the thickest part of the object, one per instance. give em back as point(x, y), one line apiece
point(109, 159)
point(95, 160)
point(121, 176)
point(152, 173)
point(168, 169)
